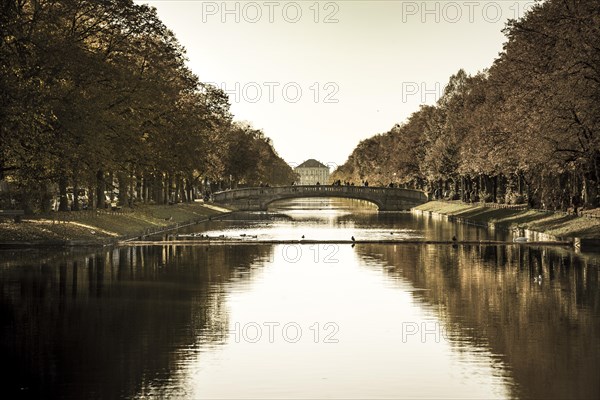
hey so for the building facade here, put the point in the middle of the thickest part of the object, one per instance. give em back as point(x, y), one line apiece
point(312, 172)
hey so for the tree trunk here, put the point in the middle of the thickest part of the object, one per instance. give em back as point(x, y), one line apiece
point(132, 188)
point(100, 189)
point(182, 194)
point(501, 189)
point(595, 185)
point(123, 199)
point(62, 190)
point(92, 198)
point(176, 194)
point(157, 185)
point(495, 188)
point(190, 190)
point(168, 184)
point(111, 187)
point(76, 205)
point(46, 198)
point(139, 188)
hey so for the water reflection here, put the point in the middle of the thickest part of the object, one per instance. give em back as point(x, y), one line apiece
point(367, 353)
point(109, 324)
point(338, 219)
point(256, 321)
point(544, 331)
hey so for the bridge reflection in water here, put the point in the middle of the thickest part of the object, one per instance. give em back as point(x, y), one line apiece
point(148, 321)
point(258, 199)
point(158, 321)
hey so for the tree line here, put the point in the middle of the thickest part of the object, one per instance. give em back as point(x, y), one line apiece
point(95, 95)
point(527, 129)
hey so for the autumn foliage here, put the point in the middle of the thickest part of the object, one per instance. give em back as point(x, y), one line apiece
point(96, 96)
point(525, 130)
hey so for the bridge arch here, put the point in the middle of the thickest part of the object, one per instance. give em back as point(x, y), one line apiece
point(376, 203)
point(258, 199)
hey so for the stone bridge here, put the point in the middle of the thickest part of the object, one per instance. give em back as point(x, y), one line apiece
point(258, 199)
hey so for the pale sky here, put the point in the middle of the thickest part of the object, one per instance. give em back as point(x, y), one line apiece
point(319, 76)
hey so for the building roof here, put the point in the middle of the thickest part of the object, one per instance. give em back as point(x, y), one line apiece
point(312, 163)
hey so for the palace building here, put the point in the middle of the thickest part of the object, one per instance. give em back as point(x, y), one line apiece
point(311, 172)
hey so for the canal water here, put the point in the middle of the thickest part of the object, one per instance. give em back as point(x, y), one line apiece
point(303, 321)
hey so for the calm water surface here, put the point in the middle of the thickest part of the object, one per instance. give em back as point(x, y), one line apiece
point(303, 321)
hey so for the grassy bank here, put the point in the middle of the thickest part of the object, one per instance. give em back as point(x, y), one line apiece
point(556, 224)
point(102, 226)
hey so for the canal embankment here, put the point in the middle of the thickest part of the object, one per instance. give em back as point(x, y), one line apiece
point(102, 227)
point(580, 229)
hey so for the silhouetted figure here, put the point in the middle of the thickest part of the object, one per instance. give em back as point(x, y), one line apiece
point(353, 238)
point(454, 239)
point(302, 236)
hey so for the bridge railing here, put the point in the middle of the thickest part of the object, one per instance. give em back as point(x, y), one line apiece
point(228, 195)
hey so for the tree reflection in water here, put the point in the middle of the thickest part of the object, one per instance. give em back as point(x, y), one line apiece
point(113, 323)
point(545, 333)
point(127, 322)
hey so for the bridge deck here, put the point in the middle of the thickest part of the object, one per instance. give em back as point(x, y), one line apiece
point(386, 199)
